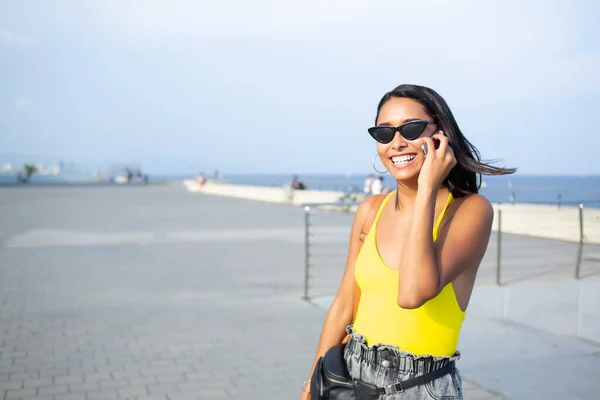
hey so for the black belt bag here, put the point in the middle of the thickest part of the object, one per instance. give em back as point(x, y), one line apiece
point(331, 380)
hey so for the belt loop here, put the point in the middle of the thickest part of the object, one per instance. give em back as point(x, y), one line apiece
point(361, 351)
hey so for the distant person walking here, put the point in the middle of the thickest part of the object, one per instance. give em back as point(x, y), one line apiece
point(377, 185)
point(368, 183)
point(395, 323)
point(200, 179)
point(296, 184)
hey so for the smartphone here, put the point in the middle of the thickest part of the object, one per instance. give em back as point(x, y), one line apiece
point(436, 143)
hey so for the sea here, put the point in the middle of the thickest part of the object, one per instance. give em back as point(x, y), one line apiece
point(539, 189)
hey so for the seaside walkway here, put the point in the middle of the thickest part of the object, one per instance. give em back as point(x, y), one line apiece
point(156, 293)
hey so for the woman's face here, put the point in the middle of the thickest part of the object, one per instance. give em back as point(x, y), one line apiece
point(403, 158)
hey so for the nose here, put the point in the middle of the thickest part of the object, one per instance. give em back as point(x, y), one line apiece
point(398, 142)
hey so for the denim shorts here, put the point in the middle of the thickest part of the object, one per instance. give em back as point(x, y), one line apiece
point(384, 365)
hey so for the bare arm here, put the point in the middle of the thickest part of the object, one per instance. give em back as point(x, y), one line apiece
point(426, 269)
point(341, 311)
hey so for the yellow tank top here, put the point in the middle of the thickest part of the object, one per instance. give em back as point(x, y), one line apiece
point(433, 328)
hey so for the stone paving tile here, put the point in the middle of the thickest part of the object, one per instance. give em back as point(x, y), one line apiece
point(473, 391)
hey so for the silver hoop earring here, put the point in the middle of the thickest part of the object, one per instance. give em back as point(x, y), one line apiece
point(375, 168)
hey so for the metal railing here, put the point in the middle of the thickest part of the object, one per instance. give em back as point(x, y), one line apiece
point(559, 192)
point(308, 208)
point(580, 247)
point(310, 232)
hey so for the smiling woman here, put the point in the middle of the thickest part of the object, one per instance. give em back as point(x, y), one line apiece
point(428, 115)
point(393, 328)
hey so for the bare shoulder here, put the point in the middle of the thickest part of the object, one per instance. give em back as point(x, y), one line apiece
point(473, 202)
point(367, 204)
point(476, 204)
point(473, 209)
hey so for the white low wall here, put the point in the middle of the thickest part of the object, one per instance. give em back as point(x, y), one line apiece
point(548, 221)
point(535, 220)
point(264, 193)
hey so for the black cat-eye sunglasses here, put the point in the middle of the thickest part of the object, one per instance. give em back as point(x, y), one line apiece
point(410, 131)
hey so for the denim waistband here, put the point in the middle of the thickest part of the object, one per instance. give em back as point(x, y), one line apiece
point(391, 356)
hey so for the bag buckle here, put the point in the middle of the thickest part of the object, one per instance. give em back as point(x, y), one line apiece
point(395, 388)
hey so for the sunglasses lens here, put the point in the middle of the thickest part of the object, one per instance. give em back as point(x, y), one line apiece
point(382, 134)
point(412, 130)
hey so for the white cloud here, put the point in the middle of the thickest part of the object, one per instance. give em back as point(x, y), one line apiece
point(12, 39)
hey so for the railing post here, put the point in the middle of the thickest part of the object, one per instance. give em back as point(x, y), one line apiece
point(306, 249)
point(499, 247)
point(580, 249)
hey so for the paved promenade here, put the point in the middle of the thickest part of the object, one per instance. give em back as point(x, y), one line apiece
point(156, 293)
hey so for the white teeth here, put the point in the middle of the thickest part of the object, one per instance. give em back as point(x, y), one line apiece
point(403, 159)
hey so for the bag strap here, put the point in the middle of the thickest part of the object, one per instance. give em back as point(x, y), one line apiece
point(374, 204)
point(417, 381)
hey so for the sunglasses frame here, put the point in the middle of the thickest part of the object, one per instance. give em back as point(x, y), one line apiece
point(374, 129)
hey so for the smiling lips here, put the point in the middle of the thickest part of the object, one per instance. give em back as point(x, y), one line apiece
point(403, 160)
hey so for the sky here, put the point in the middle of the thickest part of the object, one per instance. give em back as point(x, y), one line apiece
point(292, 86)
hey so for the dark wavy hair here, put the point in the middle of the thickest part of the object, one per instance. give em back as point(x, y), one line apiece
point(465, 177)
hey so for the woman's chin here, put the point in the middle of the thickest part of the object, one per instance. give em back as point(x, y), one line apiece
point(404, 175)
